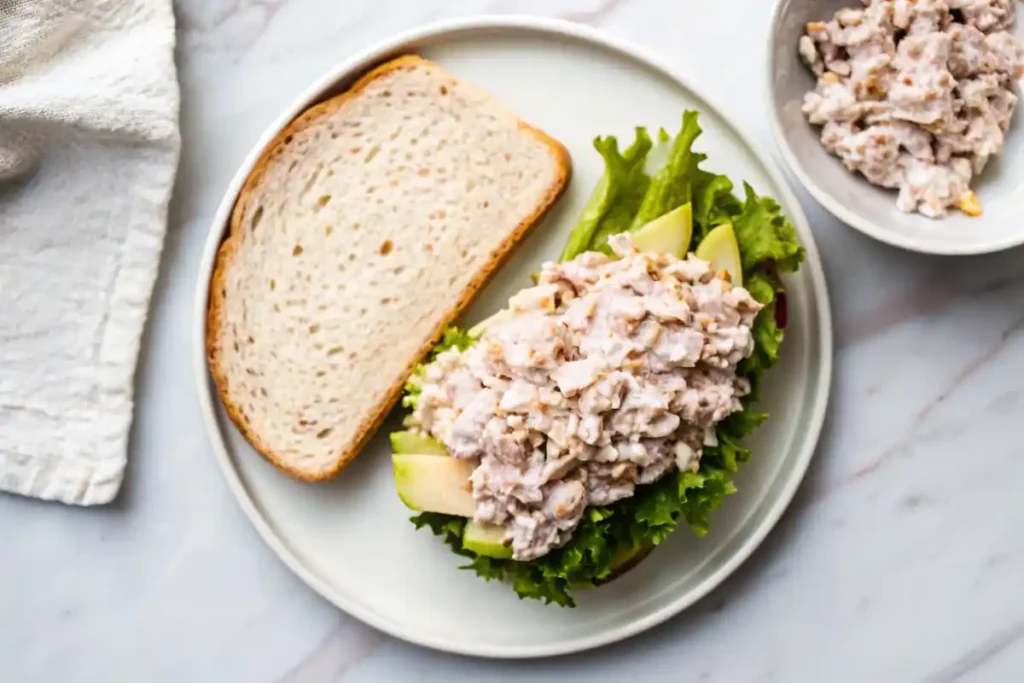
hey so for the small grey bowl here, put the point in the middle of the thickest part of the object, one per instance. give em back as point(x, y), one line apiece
point(848, 196)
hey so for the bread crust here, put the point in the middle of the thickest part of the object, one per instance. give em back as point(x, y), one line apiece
point(228, 249)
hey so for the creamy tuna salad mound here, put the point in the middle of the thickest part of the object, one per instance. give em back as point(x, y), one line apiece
point(916, 95)
point(607, 374)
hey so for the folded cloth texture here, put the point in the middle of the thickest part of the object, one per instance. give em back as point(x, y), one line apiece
point(89, 146)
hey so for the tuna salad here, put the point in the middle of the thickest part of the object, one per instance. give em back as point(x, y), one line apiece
point(557, 443)
point(916, 95)
point(609, 372)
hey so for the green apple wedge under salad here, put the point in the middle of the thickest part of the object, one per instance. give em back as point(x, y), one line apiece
point(555, 444)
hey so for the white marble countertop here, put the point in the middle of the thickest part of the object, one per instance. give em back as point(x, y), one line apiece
point(902, 558)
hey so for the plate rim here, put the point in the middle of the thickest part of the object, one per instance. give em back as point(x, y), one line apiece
point(601, 39)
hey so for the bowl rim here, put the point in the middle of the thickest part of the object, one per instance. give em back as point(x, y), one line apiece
point(316, 91)
point(834, 206)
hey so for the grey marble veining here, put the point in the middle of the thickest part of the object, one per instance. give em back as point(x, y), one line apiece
point(901, 559)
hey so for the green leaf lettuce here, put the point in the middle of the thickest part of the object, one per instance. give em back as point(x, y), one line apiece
point(625, 199)
point(617, 196)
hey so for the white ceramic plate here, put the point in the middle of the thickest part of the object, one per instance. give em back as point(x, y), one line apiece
point(350, 540)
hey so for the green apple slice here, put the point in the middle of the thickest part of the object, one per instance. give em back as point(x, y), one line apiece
point(427, 483)
point(413, 443)
point(486, 540)
point(668, 234)
point(719, 248)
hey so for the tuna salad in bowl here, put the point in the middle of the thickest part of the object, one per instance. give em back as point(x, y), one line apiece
point(908, 105)
point(558, 442)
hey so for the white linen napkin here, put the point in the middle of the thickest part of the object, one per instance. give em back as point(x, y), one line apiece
point(89, 145)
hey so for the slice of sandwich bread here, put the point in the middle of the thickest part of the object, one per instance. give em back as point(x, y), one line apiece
point(365, 227)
